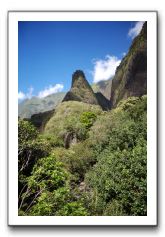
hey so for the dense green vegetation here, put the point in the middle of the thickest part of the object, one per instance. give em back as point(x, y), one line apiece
point(68, 120)
point(86, 162)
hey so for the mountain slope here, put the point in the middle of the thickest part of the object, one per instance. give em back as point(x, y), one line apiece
point(66, 121)
point(39, 120)
point(104, 87)
point(37, 105)
point(82, 91)
point(103, 101)
point(131, 75)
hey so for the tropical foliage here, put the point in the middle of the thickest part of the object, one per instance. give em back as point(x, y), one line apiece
point(101, 172)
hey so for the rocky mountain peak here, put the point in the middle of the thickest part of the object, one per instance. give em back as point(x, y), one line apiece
point(79, 80)
point(77, 76)
point(80, 89)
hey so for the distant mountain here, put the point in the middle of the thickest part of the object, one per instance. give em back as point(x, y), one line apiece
point(104, 87)
point(131, 75)
point(37, 105)
point(80, 90)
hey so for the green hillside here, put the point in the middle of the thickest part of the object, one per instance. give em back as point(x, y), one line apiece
point(84, 158)
point(101, 171)
point(67, 120)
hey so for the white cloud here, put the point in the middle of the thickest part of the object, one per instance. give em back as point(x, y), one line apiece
point(28, 95)
point(47, 91)
point(134, 31)
point(104, 69)
point(50, 90)
point(21, 95)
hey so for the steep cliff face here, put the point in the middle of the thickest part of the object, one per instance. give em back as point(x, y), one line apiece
point(104, 87)
point(131, 75)
point(103, 101)
point(80, 90)
point(39, 120)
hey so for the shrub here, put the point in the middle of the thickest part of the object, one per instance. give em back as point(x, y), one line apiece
point(87, 118)
point(26, 131)
point(72, 209)
point(66, 119)
point(47, 176)
point(81, 160)
point(114, 208)
point(77, 160)
point(120, 127)
point(30, 147)
point(109, 157)
point(118, 181)
point(49, 192)
point(121, 175)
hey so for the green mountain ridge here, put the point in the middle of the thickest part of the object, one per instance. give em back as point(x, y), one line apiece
point(131, 75)
point(130, 80)
point(84, 160)
point(36, 105)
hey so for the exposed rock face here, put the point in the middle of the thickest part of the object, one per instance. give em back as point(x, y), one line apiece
point(40, 120)
point(131, 75)
point(103, 101)
point(104, 87)
point(70, 139)
point(81, 90)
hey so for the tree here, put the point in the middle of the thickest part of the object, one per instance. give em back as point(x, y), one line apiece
point(48, 191)
point(30, 146)
point(118, 181)
point(88, 118)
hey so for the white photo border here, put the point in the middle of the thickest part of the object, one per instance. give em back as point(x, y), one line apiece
point(13, 18)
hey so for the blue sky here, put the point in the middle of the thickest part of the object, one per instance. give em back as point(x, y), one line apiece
point(49, 53)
